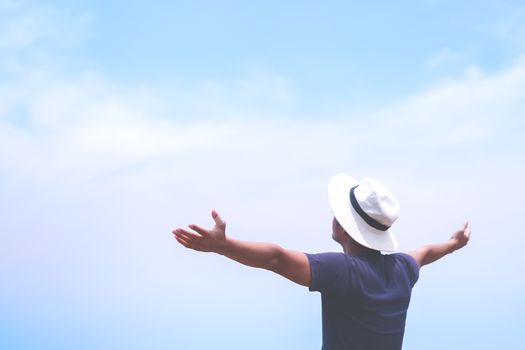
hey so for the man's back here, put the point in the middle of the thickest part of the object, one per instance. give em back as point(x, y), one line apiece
point(364, 298)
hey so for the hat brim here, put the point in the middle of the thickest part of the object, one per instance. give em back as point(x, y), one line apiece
point(339, 199)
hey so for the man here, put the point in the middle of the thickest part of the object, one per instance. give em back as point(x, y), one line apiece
point(365, 294)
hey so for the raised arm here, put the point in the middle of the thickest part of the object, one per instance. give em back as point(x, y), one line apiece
point(432, 252)
point(290, 264)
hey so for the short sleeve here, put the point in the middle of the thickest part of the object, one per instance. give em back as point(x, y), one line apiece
point(412, 267)
point(327, 270)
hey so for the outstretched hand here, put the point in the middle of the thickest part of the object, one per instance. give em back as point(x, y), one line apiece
point(461, 237)
point(201, 239)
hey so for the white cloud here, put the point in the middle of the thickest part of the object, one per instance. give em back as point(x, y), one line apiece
point(83, 137)
point(25, 30)
point(511, 28)
point(33, 33)
point(94, 175)
point(444, 57)
point(477, 108)
point(85, 123)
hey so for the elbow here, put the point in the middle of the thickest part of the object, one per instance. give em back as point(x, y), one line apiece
point(276, 259)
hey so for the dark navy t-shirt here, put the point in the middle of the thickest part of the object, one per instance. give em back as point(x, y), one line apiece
point(364, 298)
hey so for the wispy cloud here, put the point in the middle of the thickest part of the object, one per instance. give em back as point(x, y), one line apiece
point(95, 173)
point(72, 119)
point(511, 28)
point(119, 141)
point(444, 57)
point(33, 33)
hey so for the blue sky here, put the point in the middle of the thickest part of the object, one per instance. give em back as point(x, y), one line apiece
point(120, 121)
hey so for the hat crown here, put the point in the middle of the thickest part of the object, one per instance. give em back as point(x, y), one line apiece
point(377, 201)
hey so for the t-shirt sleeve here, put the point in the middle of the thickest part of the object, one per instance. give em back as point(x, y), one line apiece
point(412, 267)
point(326, 269)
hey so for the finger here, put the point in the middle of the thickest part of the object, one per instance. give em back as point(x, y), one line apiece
point(467, 232)
point(189, 239)
point(182, 231)
point(187, 234)
point(466, 228)
point(217, 218)
point(204, 232)
point(183, 241)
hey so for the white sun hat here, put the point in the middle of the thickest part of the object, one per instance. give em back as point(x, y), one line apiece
point(366, 210)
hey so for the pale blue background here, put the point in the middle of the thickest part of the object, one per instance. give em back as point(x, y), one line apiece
point(120, 120)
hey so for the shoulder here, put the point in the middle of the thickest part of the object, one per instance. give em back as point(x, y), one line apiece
point(328, 269)
point(328, 256)
point(330, 259)
point(409, 263)
point(405, 257)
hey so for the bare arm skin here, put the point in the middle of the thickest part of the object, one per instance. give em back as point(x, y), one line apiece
point(287, 263)
point(432, 252)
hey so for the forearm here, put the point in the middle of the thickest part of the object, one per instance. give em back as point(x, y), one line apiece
point(435, 252)
point(254, 254)
point(432, 252)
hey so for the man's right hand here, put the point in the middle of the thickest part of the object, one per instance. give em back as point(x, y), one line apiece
point(201, 239)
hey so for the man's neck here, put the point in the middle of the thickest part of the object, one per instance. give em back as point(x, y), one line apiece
point(351, 247)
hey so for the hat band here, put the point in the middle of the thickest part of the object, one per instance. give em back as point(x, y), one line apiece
point(368, 219)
